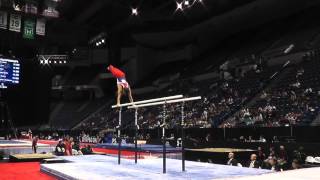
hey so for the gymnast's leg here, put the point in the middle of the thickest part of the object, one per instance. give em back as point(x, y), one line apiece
point(130, 95)
point(119, 94)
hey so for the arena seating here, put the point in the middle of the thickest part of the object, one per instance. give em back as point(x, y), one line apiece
point(225, 101)
point(294, 100)
point(252, 99)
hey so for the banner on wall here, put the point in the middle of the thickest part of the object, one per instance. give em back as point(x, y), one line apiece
point(41, 27)
point(3, 20)
point(15, 23)
point(28, 29)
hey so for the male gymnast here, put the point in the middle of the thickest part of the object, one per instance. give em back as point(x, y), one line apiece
point(122, 84)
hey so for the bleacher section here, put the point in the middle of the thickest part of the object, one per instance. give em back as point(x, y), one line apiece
point(293, 100)
point(224, 98)
point(251, 90)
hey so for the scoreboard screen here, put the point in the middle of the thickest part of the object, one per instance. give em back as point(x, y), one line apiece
point(9, 72)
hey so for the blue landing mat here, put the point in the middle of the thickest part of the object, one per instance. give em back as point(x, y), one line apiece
point(11, 142)
point(96, 167)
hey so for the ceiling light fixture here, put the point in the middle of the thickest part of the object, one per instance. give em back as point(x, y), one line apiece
point(134, 11)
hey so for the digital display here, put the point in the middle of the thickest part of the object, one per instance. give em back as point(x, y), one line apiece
point(9, 72)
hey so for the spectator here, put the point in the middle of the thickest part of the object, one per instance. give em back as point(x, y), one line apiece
point(295, 164)
point(87, 150)
point(254, 163)
point(261, 155)
point(300, 155)
point(35, 144)
point(76, 148)
point(60, 149)
point(30, 134)
point(232, 161)
point(283, 157)
point(272, 152)
point(272, 164)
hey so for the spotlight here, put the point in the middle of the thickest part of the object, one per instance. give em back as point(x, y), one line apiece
point(45, 61)
point(134, 11)
point(60, 62)
point(97, 38)
point(55, 62)
point(100, 42)
point(179, 6)
point(201, 2)
point(41, 62)
point(186, 2)
point(65, 62)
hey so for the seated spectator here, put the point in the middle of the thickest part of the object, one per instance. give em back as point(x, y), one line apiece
point(60, 149)
point(87, 150)
point(232, 161)
point(261, 155)
point(300, 155)
point(254, 163)
point(76, 148)
point(295, 164)
point(272, 152)
point(283, 157)
point(272, 165)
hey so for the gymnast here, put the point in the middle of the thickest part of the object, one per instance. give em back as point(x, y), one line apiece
point(122, 84)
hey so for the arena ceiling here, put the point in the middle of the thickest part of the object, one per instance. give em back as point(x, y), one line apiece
point(81, 20)
point(109, 14)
